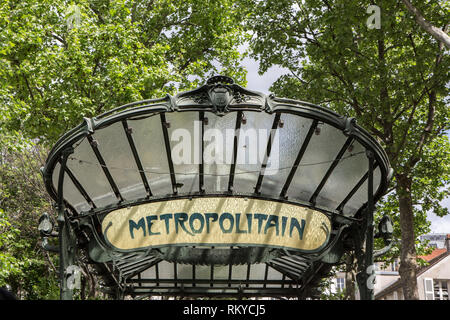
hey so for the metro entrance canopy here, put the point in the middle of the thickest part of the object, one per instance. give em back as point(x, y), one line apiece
point(218, 191)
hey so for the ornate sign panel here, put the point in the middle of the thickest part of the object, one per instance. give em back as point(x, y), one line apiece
point(217, 221)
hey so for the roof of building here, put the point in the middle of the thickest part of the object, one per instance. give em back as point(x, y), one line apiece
point(435, 234)
point(433, 258)
point(436, 253)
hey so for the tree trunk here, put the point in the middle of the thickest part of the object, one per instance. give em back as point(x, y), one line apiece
point(350, 278)
point(408, 263)
point(83, 289)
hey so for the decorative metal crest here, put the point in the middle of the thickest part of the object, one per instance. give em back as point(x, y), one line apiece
point(220, 92)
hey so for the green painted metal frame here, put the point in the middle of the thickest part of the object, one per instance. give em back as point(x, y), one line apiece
point(361, 225)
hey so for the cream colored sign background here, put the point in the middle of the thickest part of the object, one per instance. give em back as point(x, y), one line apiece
point(315, 233)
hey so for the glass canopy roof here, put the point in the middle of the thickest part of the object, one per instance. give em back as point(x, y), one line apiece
point(217, 140)
point(328, 147)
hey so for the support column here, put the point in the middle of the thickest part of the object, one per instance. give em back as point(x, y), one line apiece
point(66, 245)
point(366, 276)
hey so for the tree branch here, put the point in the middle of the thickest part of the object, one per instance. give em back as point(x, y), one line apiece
point(437, 33)
point(395, 155)
point(61, 40)
point(427, 129)
point(28, 86)
point(432, 99)
point(298, 77)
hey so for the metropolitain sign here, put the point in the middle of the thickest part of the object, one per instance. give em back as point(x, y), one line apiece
point(217, 221)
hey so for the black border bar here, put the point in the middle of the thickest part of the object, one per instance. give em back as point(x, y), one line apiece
point(201, 166)
point(300, 154)
point(165, 125)
point(108, 175)
point(79, 187)
point(276, 122)
point(237, 130)
point(128, 132)
point(355, 189)
point(330, 169)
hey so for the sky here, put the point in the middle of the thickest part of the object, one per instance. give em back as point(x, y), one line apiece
point(262, 84)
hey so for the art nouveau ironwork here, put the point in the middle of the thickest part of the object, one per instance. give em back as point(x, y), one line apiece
point(129, 158)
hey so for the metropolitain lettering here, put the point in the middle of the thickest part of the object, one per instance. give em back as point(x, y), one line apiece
point(200, 223)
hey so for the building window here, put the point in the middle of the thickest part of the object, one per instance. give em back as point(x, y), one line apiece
point(428, 288)
point(394, 265)
point(440, 290)
point(340, 284)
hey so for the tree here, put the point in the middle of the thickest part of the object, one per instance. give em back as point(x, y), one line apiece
point(392, 79)
point(24, 266)
point(61, 60)
point(440, 35)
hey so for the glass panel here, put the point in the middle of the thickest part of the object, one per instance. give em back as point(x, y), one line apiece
point(166, 271)
point(71, 193)
point(274, 275)
point(89, 173)
point(287, 144)
point(218, 150)
point(221, 273)
point(239, 272)
point(257, 272)
point(149, 140)
point(115, 150)
point(149, 273)
point(55, 176)
point(184, 135)
point(319, 155)
point(184, 271)
point(202, 272)
point(360, 197)
point(251, 149)
point(73, 196)
point(345, 176)
point(185, 140)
